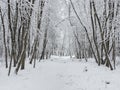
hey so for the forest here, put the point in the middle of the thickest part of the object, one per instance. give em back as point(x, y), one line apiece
point(38, 32)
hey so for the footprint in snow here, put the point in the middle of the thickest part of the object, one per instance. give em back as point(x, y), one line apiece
point(85, 69)
point(69, 83)
point(107, 82)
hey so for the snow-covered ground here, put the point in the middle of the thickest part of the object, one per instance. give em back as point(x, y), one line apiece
point(62, 73)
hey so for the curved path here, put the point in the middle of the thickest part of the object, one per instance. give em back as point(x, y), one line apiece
point(62, 73)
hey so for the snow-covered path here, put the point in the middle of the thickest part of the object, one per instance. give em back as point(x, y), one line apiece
point(62, 73)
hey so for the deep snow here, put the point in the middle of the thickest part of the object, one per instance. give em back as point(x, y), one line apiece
point(62, 73)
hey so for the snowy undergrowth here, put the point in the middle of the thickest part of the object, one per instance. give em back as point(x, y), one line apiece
point(62, 73)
